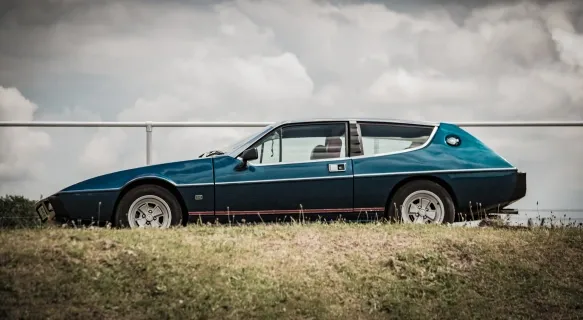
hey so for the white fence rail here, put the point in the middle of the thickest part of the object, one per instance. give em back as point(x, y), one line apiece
point(149, 125)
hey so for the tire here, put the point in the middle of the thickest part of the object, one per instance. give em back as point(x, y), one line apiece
point(408, 195)
point(153, 200)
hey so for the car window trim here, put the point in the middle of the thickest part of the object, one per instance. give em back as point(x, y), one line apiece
point(347, 122)
point(281, 127)
point(424, 145)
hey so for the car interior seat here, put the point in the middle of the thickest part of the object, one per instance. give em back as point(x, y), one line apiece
point(319, 152)
point(333, 147)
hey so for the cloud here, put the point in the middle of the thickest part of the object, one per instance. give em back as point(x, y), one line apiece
point(402, 87)
point(21, 149)
point(270, 60)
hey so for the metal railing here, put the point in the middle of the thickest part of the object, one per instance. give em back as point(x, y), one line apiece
point(149, 125)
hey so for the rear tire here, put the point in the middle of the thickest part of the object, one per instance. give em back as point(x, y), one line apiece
point(151, 206)
point(421, 201)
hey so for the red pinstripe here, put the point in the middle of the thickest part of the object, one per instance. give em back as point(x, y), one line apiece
point(289, 211)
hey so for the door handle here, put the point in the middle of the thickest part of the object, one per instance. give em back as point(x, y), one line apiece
point(337, 167)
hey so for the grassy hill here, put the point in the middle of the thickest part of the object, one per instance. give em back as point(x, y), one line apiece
point(314, 271)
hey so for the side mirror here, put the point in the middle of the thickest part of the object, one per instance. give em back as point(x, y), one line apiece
point(250, 154)
point(247, 155)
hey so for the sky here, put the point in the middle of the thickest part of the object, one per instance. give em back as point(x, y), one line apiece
point(254, 60)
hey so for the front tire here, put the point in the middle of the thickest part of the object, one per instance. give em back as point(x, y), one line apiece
point(148, 206)
point(421, 201)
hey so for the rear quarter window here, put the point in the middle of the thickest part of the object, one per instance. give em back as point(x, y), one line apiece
point(382, 138)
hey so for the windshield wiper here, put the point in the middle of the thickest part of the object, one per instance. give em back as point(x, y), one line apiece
point(211, 153)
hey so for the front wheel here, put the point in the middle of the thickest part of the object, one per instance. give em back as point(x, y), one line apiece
point(148, 206)
point(421, 201)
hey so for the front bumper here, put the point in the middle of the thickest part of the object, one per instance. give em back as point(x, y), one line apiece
point(50, 208)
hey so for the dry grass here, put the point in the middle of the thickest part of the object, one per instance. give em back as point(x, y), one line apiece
point(314, 271)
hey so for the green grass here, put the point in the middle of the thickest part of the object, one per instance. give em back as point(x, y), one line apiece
point(314, 271)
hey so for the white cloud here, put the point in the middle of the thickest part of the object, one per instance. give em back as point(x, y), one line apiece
point(402, 87)
point(21, 149)
point(272, 78)
point(271, 60)
point(102, 153)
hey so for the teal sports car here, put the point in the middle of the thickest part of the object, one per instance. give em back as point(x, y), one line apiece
point(354, 169)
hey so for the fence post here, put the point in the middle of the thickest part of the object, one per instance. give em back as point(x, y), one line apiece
point(148, 142)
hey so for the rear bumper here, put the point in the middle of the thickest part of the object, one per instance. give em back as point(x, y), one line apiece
point(519, 191)
point(519, 188)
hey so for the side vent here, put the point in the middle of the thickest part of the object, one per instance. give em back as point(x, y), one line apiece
point(355, 145)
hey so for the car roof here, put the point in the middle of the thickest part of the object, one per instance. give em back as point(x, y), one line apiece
point(400, 121)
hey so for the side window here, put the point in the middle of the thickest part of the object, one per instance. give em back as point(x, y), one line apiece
point(378, 138)
point(269, 149)
point(302, 142)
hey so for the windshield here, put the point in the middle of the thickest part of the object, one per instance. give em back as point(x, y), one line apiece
point(236, 145)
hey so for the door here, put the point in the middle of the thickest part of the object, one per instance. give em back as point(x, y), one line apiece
point(301, 169)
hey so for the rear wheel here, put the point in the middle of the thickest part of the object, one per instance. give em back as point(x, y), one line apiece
point(148, 206)
point(421, 201)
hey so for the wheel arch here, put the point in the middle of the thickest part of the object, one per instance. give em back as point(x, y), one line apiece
point(155, 181)
point(431, 178)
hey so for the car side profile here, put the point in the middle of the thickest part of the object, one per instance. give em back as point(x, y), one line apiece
point(408, 171)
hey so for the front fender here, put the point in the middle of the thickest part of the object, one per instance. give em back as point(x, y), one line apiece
point(198, 171)
point(95, 198)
